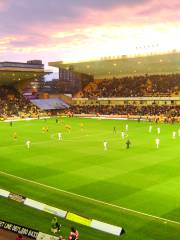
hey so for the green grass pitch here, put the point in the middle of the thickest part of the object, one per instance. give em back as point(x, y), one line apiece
point(142, 178)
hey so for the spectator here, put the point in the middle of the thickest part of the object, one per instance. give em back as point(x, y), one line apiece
point(20, 237)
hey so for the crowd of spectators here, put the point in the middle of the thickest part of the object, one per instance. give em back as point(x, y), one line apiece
point(150, 110)
point(13, 103)
point(137, 86)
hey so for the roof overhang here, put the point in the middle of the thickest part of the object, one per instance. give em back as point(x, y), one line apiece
point(125, 66)
point(11, 76)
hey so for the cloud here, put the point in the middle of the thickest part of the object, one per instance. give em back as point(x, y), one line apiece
point(4, 5)
point(43, 16)
point(61, 27)
point(22, 14)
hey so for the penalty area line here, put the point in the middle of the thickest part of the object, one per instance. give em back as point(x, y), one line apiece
point(164, 220)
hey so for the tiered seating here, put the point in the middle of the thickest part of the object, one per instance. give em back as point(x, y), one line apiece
point(137, 86)
point(151, 110)
point(12, 103)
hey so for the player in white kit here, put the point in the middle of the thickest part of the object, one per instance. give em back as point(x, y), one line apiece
point(174, 134)
point(157, 142)
point(59, 136)
point(105, 144)
point(122, 135)
point(28, 144)
point(150, 128)
point(158, 130)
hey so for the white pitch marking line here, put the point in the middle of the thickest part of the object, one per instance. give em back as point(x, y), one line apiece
point(92, 199)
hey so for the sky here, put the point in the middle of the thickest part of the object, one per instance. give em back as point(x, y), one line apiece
point(72, 30)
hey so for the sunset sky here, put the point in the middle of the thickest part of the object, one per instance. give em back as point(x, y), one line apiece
point(84, 29)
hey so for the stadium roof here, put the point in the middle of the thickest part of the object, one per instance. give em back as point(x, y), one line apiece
point(13, 72)
point(126, 66)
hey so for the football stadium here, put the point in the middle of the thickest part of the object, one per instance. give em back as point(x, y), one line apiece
point(104, 159)
point(93, 153)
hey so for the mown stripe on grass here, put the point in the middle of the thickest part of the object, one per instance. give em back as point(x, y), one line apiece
point(164, 220)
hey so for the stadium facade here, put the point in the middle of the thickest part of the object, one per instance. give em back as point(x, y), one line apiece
point(15, 72)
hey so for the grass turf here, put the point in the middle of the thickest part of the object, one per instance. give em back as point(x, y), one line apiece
point(142, 178)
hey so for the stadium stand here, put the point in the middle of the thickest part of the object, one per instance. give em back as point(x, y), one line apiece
point(137, 86)
point(148, 95)
point(89, 100)
point(12, 103)
point(170, 111)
